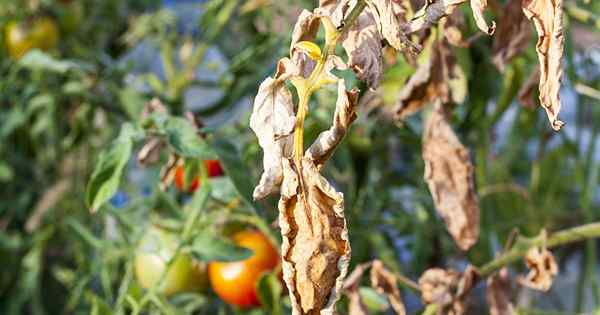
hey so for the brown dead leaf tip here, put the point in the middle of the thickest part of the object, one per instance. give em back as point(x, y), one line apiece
point(542, 269)
point(546, 16)
point(448, 288)
point(351, 290)
point(449, 175)
point(498, 293)
point(384, 282)
point(512, 36)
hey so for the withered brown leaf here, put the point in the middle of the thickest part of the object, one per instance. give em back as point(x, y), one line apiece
point(383, 11)
point(351, 286)
point(512, 36)
point(362, 43)
point(527, 90)
point(542, 269)
point(546, 16)
point(477, 6)
point(344, 115)
point(384, 282)
point(315, 247)
point(431, 13)
point(449, 175)
point(498, 292)
point(273, 121)
point(448, 288)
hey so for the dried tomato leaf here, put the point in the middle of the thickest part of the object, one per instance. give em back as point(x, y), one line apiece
point(512, 36)
point(542, 269)
point(527, 91)
point(431, 13)
point(362, 43)
point(448, 288)
point(499, 288)
point(383, 11)
point(344, 115)
point(273, 121)
point(384, 282)
point(351, 286)
point(477, 6)
point(449, 175)
point(546, 16)
point(315, 248)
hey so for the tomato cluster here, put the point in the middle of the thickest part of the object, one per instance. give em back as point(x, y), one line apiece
point(213, 168)
point(234, 282)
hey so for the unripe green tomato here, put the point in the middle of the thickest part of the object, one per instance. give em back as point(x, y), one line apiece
point(21, 37)
point(153, 254)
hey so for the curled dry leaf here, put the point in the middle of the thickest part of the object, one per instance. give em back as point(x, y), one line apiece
point(477, 6)
point(273, 121)
point(527, 90)
point(150, 152)
point(431, 13)
point(315, 248)
point(385, 14)
point(498, 292)
point(447, 288)
point(306, 29)
point(362, 43)
point(512, 36)
point(542, 269)
point(323, 147)
point(449, 175)
point(546, 16)
point(351, 286)
point(384, 282)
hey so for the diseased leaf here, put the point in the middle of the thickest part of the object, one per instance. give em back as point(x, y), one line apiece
point(431, 13)
point(432, 80)
point(345, 114)
point(447, 288)
point(498, 292)
point(477, 6)
point(384, 282)
point(512, 36)
point(542, 269)
point(449, 175)
point(351, 289)
point(389, 27)
point(527, 91)
point(362, 43)
point(273, 121)
point(315, 248)
point(305, 29)
point(546, 16)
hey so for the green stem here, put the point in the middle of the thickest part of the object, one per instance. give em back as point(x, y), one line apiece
point(576, 234)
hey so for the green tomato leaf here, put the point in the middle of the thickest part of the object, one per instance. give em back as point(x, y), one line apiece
point(38, 60)
point(230, 159)
point(107, 174)
point(182, 137)
point(209, 247)
point(6, 172)
point(269, 292)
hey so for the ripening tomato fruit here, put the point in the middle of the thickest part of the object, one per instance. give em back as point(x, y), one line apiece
point(155, 250)
point(213, 168)
point(235, 282)
point(21, 37)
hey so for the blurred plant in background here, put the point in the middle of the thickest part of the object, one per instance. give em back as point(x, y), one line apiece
point(102, 91)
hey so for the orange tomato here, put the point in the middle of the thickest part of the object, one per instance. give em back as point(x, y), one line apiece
point(235, 282)
point(213, 168)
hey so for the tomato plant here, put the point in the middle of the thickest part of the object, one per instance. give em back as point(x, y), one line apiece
point(23, 36)
point(156, 248)
point(235, 282)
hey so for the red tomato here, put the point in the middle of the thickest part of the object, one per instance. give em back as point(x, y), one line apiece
point(213, 168)
point(235, 282)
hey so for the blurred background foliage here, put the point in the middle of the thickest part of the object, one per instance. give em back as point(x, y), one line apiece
point(88, 68)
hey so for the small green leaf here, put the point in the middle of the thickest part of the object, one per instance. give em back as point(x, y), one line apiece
point(107, 174)
point(182, 137)
point(209, 247)
point(269, 292)
point(374, 301)
point(6, 172)
point(38, 60)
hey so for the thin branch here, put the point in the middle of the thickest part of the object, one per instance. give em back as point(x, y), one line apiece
point(572, 235)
